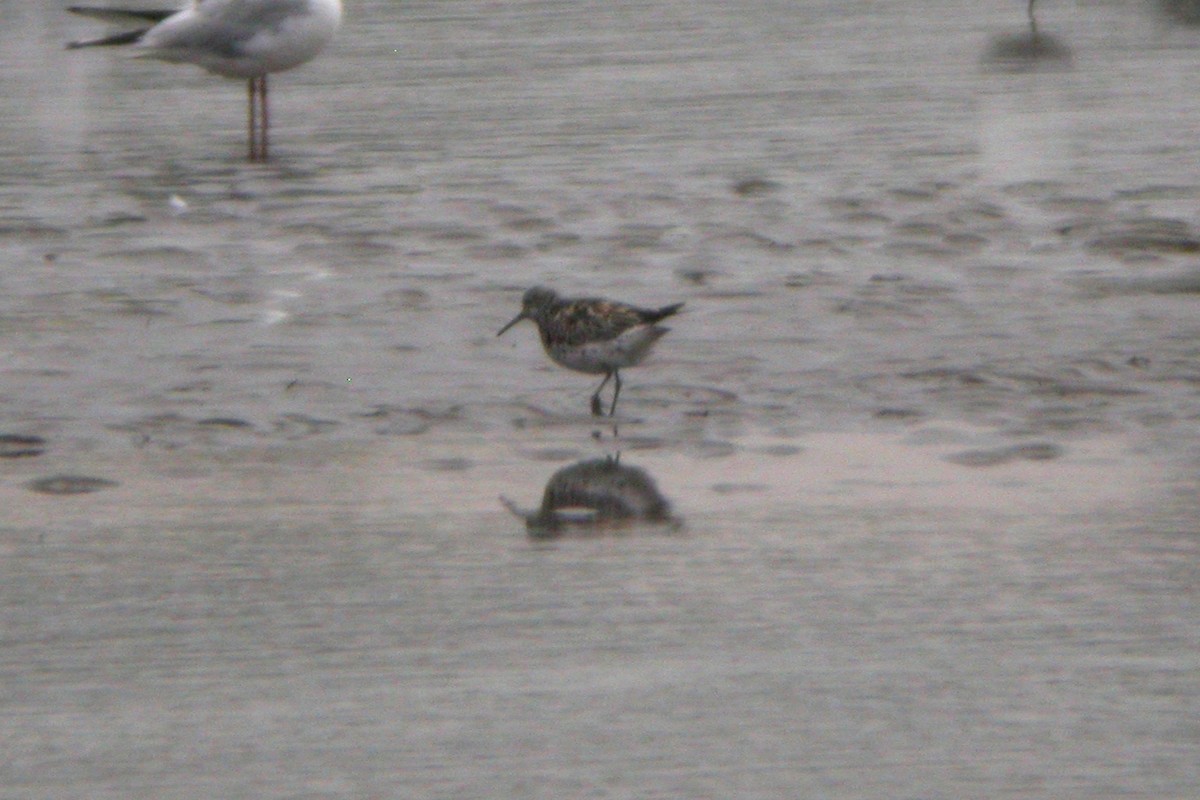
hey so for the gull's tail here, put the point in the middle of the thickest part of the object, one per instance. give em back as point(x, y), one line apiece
point(123, 14)
point(119, 16)
point(128, 37)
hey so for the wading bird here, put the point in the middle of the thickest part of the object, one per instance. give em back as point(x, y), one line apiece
point(593, 335)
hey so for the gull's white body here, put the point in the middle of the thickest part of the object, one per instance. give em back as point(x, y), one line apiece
point(244, 38)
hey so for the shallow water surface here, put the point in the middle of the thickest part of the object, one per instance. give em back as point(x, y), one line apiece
point(926, 427)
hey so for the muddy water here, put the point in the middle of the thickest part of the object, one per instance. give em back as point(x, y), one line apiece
point(926, 428)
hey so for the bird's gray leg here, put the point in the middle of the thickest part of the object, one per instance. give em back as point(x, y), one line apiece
point(266, 119)
point(251, 118)
point(596, 410)
point(259, 120)
point(616, 392)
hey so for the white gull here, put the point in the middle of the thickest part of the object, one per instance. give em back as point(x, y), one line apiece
point(234, 38)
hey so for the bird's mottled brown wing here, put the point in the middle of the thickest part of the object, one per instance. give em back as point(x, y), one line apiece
point(581, 321)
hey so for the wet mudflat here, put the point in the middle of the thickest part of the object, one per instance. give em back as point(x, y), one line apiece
point(926, 427)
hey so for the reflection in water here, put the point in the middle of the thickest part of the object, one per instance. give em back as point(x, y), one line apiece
point(1022, 51)
point(596, 494)
point(1186, 12)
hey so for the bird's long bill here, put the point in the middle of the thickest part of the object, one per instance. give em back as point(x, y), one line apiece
point(512, 322)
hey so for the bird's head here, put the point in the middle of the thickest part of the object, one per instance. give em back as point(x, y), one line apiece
point(533, 305)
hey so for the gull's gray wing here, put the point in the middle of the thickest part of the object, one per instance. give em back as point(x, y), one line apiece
point(120, 15)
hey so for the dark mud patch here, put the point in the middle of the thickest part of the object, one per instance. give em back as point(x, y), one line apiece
point(1033, 451)
point(70, 484)
point(1179, 283)
point(1146, 237)
point(16, 445)
point(449, 464)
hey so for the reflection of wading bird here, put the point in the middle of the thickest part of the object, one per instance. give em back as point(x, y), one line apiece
point(234, 38)
point(1023, 51)
point(592, 335)
point(595, 494)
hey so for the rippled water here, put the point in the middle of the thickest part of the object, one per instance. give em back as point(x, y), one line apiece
point(927, 427)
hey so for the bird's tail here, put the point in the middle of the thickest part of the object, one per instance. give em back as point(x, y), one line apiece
point(119, 16)
point(666, 311)
point(129, 37)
